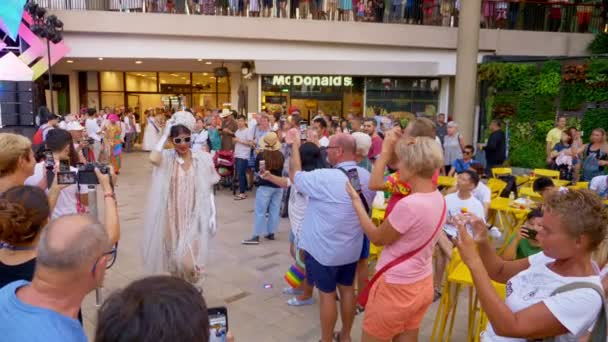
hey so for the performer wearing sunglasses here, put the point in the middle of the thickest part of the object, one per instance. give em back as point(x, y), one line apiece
point(180, 216)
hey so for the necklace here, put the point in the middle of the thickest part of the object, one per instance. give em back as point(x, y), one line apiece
point(16, 248)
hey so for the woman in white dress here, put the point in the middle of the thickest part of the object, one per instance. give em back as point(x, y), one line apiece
point(180, 216)
point(152, 131)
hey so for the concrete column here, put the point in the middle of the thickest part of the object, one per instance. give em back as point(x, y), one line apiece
point(466, 67)
point(235, 83)
point(444, 95)
point(74, 95)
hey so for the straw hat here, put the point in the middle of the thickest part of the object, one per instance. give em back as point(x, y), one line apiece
point(271, 142)
point(225, 112)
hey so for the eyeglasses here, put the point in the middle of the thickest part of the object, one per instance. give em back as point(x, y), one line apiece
point(330, 147)
point(185, 140)
point(110, 262)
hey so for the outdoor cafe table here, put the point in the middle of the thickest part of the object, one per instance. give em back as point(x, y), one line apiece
point(507, 217)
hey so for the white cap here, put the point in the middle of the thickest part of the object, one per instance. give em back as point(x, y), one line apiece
point(74, 126)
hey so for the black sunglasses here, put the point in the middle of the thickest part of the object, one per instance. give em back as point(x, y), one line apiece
point(185, 140)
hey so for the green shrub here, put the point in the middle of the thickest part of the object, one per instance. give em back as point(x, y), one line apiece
point(527, 143)
point(594, 118)
point(573, 96)
point(599, 45)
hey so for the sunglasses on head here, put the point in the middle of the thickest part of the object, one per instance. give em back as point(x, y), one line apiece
point(185, 140)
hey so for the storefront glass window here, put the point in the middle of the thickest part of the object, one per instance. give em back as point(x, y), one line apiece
point(311, 94)
point(92, 80)
point(203, 83)
point(112, 99)
point(142, 82)
point(397, 95)
point(112, 81)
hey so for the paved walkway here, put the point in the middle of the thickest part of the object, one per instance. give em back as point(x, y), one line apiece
point(236, 273)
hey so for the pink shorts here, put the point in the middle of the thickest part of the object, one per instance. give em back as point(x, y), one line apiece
point(396, 308)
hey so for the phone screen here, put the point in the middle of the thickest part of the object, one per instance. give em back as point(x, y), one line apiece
point(218, 324)
point(353, 177)
point(64, 166)
point(303, 128)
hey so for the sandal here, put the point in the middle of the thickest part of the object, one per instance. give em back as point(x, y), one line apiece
point(294, 301)
point(240, 197)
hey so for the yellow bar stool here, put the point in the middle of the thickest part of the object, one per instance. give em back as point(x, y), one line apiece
point(459, 277)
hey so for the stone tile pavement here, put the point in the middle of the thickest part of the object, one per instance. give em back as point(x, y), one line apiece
point(236, 274)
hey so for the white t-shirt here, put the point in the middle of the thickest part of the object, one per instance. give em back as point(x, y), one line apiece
point(297, 206)
point(599, 184)
point(324, 141)
point(199, 140)
point(92, 129)
point(66, 203)
point(482, 193)
point(454, 205)
point(243, 151)
point(576, 310)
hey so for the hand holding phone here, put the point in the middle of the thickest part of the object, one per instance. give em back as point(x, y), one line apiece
point(353, 177)
point(528, 233)
point(218, 324)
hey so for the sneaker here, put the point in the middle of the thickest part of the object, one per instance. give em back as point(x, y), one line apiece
point(269, 237)
point(253, 241)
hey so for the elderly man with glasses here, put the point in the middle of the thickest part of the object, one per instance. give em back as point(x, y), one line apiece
point(331, 233)
point(73, 254)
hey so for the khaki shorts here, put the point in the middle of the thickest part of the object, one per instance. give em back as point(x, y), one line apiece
point(393, 309)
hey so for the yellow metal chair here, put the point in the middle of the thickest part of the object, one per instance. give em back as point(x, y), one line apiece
point(553, 174)
point(446, 181)
point(528, 192)
point(579, 186)
point(459, 276)
point(496, 186)
point(501, 171)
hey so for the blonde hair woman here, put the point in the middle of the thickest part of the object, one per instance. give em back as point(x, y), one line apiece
point(595, 155)
point(538, 303)
point(17, 160)
point(401, 296)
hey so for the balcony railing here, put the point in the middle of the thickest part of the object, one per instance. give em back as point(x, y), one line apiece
point(534, 15)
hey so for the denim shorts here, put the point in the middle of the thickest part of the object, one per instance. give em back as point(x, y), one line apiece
point(326, 278)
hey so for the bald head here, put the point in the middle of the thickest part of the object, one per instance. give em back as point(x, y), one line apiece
point(342, 148)
point(72, 243)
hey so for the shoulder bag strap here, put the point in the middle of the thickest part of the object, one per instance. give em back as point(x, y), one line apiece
point(600, 329)
point(360, 193)
point(410, 254)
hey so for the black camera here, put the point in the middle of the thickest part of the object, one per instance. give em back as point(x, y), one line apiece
point(90, 141)
point(86, 172)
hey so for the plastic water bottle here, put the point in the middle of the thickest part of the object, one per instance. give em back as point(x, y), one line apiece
point(511, 197)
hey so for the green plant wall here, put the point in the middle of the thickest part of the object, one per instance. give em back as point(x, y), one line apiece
point(530, 95)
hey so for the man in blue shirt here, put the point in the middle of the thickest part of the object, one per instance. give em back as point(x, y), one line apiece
point(461, 165)
point(71, 261)
point(331, 233)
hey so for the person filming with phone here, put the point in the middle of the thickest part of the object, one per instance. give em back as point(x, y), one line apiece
point(73, 197)
point(525, 244)
point(556, 293)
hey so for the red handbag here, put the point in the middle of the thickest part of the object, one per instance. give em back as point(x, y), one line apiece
point(364, 295)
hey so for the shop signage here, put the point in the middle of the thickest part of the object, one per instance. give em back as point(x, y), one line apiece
point(313, 81)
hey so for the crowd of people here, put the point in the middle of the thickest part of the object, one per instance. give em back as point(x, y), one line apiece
point(330, 174)
point(558, 15)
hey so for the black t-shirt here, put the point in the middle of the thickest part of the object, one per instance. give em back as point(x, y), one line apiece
point(11, 273)
point(278, 172)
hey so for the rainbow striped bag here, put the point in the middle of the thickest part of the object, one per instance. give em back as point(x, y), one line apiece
point(296, 273)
